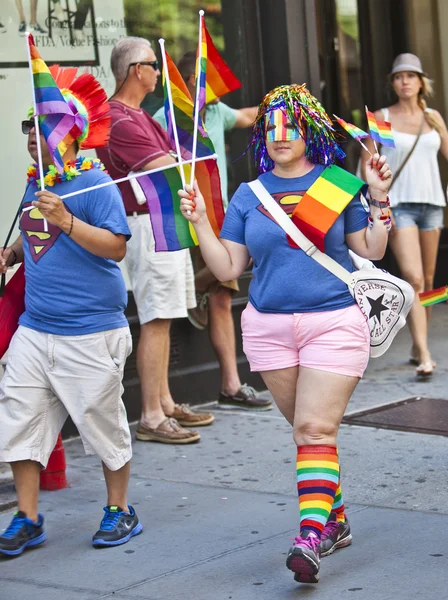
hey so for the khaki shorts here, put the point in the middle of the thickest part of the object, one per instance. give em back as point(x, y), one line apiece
point(162, 282)
point(199, 264)
point(51, 376)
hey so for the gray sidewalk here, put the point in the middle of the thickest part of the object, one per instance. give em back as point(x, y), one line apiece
point(219, 516)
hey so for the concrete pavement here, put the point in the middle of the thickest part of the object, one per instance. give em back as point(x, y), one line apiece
point(219, 516)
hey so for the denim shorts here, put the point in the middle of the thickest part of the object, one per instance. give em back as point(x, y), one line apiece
point(424, 216)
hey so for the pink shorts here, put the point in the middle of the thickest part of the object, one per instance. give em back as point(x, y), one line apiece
point(336, 341)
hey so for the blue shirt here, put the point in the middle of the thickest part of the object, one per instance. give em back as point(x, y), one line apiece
point(285, 279)
point(70, 291)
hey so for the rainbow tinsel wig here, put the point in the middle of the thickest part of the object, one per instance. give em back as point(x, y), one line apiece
point(310, 118)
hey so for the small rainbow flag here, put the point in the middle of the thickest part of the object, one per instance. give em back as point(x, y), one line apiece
point(56, 119)
point(183, 114)
point(380, 131)
point(170, 228)
point(324, 201)
point(201, 65)
point(220, 79)
point(434, 296)
point(351, 129)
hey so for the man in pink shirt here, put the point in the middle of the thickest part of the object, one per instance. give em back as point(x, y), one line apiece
point(162, 282)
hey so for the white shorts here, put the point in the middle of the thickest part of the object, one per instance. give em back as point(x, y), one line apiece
point(51, 376)
point(162, 282)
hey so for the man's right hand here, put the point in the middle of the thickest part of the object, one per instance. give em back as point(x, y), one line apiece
point(6, 259)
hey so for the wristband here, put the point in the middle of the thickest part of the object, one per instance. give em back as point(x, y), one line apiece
point(379, 204)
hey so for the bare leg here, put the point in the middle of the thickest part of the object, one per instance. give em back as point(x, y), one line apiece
point(222, 337)
point(26, 479)
point(405, 244)
point(151, 362)
point(282, 383)
point(20, 10)
point(429, 242)
point(203, 279)
point(33, 11)
point(321, 401)
point(166, 399)
point(117, 485)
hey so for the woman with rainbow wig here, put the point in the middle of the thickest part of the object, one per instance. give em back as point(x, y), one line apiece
point(301, 328)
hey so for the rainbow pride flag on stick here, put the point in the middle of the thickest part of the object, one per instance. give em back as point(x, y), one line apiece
point(434, 296)
point(354, 131)
point(170, 228)
point(380, 131)
point(56, 121)
point(179, 110)
point(199, 103)
point(220, 79)
point(324, 201)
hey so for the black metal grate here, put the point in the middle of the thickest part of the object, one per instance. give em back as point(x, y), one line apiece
point(417, 414)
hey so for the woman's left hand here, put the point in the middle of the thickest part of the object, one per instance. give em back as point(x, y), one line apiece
point(378, 174)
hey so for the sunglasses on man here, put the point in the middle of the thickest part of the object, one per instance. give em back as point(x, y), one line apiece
point(27, 126)
point(151, 63)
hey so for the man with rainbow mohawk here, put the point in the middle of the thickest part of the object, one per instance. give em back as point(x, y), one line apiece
point(68, 354)
point(302, 330)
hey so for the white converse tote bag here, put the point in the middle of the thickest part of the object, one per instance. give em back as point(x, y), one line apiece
point(384, 300)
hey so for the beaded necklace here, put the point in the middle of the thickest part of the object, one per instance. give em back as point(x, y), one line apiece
point(72, 168)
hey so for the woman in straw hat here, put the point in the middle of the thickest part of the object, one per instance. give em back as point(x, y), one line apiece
point(416, 195)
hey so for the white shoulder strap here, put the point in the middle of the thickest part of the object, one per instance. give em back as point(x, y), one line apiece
point(292, 230)
point(385, 112)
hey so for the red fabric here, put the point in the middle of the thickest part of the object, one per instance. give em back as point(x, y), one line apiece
point(12, 305)
point(135, 140)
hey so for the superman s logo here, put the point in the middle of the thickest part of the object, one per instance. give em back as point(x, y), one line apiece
point(287, 200)
point(32, 227)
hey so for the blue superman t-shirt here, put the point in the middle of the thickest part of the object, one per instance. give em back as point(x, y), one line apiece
point(70, 291)
point(285, 279)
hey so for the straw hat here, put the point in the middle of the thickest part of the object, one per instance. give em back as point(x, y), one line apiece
point(407, 62)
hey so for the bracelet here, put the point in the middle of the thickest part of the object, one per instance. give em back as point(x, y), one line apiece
point(71, 227)
point(15, 257)
point(379, 204)
point(386, 220)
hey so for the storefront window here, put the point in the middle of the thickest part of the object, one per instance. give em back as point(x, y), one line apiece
point(349, 59)
point(177, 22)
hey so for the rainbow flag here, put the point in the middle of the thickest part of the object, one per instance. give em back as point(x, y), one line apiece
point(220, 79)
point(183, 114)
point(380, 131)
point(434, 296)
point(351, 129)
point(201, 66)
point(56, 119)
point(324, 201)
point(170, 228)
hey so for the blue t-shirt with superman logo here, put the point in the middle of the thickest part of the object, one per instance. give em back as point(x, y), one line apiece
point(70, 291)
point(285, 279)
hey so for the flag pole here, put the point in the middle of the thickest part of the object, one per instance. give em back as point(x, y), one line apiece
point(131, 176)
point(173, 117)
point(36, 124)
point(196, 102)
point(363, 145)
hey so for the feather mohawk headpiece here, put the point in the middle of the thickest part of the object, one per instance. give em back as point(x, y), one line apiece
point(88, 101)
point(310, 118)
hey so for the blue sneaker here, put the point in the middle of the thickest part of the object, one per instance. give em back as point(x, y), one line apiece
point(117, 527)
point(22, 533)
